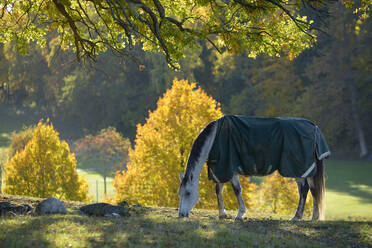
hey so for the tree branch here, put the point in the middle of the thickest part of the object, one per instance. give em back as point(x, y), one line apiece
point(244, 3)
point(295, 20)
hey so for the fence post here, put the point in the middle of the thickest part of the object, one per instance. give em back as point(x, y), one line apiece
point(97, 189)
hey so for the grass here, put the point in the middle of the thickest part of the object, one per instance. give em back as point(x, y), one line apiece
point(93, 178)
point(160, 227)
point(349, 189)
point(4, 140)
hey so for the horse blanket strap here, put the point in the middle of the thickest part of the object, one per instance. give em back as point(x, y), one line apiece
point(259, 146)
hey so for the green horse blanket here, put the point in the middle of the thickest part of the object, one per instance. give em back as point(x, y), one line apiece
point(259, 146)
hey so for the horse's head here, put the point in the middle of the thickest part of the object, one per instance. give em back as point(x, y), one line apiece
point(188, 193)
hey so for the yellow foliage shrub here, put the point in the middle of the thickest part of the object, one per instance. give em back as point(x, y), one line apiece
point(161, 149)
point(45, 168)
point(279, 195)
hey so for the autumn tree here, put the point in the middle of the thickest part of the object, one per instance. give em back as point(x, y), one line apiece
point(106, 152)
point(162, 146)
point(17, 144)
point(90, 27)
point(45, 168)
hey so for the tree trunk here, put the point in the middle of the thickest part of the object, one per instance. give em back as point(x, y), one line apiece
point(355, 113)
point(349, 78)
point(346, 54)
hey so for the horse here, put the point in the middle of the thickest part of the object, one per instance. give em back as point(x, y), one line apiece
point(272, 139)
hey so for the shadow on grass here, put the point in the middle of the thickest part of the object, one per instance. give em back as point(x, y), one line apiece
point(165, 230)
point(23, 233)
point(183, 233)
point(348, 177)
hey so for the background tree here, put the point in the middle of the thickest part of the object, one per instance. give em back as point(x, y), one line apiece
point(20, 139)
point(268, 86)
point(338, 83)
point(45, 168)
point(3, 159)
point(162, 146)
point(105, 152)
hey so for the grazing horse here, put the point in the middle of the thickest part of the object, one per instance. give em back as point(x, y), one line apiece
point(239, 145)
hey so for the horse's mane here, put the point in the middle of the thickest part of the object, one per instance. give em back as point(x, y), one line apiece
point(196, 150)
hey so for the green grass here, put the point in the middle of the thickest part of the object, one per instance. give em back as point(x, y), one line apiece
point(349, 189)
point(160, 227)
point(4, 140)
point(93, 178)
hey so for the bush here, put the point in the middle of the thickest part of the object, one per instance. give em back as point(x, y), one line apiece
point(45, 168)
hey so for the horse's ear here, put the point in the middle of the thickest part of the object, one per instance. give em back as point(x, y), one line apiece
point(181, 176)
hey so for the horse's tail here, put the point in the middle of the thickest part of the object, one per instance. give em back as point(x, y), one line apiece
point(319, 188)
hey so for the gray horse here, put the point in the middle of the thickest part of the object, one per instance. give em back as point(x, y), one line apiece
point(240, 145)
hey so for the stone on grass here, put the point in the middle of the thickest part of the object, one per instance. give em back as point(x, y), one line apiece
point(104, 209)
point(50, 206)
point(113, 216)
point(7, 208)
point(123, 204)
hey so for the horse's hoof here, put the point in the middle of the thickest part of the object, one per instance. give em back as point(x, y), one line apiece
point(294, 218)
point(239, 218)
point(222, 216)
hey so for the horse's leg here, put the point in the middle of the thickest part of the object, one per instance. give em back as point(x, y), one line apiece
point(221, 205)
point(235, 183)
point(317, 189)
point(303, 189)
point(313, 191)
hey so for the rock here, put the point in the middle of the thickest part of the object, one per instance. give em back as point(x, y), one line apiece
point(50, 206)
point(6, 208)
point(137, 205)
point(104, 209)
point(123, 204)
point(113, 215)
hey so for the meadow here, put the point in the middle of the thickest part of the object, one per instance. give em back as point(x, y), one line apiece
point(160, 227)
point(348, 224)
point(96, 185)
point(349, 189)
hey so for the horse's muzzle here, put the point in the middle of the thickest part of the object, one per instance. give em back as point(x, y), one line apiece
point(182, 215)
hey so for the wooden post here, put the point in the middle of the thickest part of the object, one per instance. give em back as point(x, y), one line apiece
point(97, 189)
